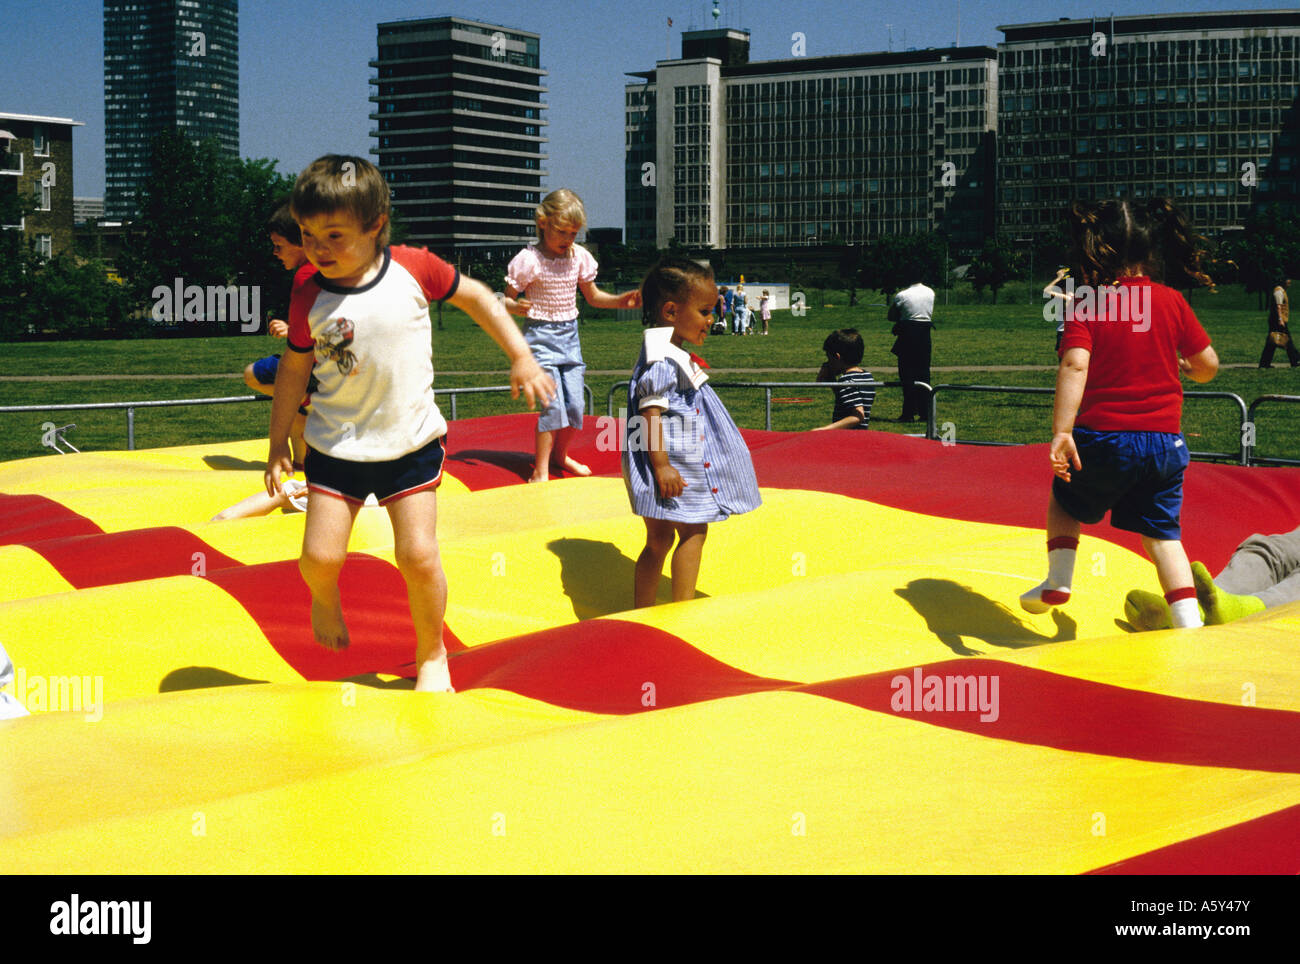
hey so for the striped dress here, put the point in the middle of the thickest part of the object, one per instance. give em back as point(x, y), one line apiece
point(703, 443)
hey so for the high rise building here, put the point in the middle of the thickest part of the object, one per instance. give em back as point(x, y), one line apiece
point(721, 152)
point(168, 65)
point(1199, 107)
point(36, 167)
point(458, 106)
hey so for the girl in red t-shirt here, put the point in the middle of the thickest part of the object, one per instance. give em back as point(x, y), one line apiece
point(1117, 444)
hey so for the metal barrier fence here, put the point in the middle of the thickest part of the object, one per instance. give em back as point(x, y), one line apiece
point(1245, 455)
point(1242, 455)
point(1248, 432)
point(130, 407)
point(767, 387)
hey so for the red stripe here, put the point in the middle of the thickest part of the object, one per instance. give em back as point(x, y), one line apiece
point(1054, 597)
point(1062, 542)
point(1047, 709)
point(375, 607)
point(117, 557)
point(604, 666)
point(1266, 845)
point(1174, 595)
point(33, 518)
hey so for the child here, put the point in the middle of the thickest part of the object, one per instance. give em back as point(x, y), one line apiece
point(549, 273)
point(286, 245)
point(852, 402)
point(362, 324)
point(765, 309)
point(744, 324)
point(1120, 358)
point(684, 462)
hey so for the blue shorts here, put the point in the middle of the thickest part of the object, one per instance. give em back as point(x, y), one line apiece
point(353, 481)
point(1137, 476)
point(264, 370)
point(555, 346)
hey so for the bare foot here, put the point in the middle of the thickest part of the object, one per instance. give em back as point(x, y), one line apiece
point(328, 626)
point(574, 466)
point(433, 676)
point(540, 475)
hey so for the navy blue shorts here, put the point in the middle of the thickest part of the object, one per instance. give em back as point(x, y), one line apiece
point(1137, 476)
point(388, 481)
point(264, 369)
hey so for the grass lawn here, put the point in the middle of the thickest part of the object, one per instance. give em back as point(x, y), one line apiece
point(967, 336)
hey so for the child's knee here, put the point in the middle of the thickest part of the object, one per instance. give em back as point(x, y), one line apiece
point(318, 565)
point(418, 562)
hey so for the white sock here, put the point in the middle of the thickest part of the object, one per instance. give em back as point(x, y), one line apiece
point(1186, 613)
point(1055, 589)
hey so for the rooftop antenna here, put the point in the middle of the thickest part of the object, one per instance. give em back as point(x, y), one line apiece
point(890, 28)
point(716, 13)
point(958, 23)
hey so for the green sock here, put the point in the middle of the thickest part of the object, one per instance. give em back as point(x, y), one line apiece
point(1147, 610)
point(1219, 606)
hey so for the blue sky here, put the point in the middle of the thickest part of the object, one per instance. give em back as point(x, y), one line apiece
point(304, 74)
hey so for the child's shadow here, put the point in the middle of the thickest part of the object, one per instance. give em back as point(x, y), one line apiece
point(952, 611)
point(520, 463)
point(230, 462)
point(598, 578)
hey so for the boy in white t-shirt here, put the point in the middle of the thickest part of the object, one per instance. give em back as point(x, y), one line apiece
point(549, 274)
point(361, 325)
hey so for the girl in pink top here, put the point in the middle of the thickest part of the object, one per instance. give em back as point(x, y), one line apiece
point(549, 274)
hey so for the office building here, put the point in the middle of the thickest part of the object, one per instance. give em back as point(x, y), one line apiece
point(458, 106)
point(36, 165)
point(721, 152)
point(1200, 107)
point(168, 65)
point(86, 209)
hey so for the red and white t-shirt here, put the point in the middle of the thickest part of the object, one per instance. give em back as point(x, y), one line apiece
point(551, 284)
point(374, 357)
point(1134, 338)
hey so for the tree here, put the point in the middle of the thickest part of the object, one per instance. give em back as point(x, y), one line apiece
point(1268, 249)
point(203, 222)
point(898, 260)
point(998, 262)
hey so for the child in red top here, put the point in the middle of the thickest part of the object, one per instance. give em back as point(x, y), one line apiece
point(1126, 339)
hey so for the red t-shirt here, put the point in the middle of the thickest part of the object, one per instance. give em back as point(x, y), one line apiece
point(1134, 332)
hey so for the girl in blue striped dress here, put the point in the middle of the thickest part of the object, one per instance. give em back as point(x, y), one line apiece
point(684, 462)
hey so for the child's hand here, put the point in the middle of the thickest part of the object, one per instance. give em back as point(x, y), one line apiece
point(527, 375)
point(630, 299)
point(1184, 366)
point(522, 306)
point(826, 373)
point(279, 463)
point(1064, 454)
point(278, 328)
point(669, 482)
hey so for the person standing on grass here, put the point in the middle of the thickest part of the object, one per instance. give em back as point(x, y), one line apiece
point(765, 309)
point(843, 365)
point(549, 274)
point(1117, 445)
point(912, 312)
point(1279, 334)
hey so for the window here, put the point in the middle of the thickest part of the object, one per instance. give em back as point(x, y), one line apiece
point(44, 247)
point(40, 143)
